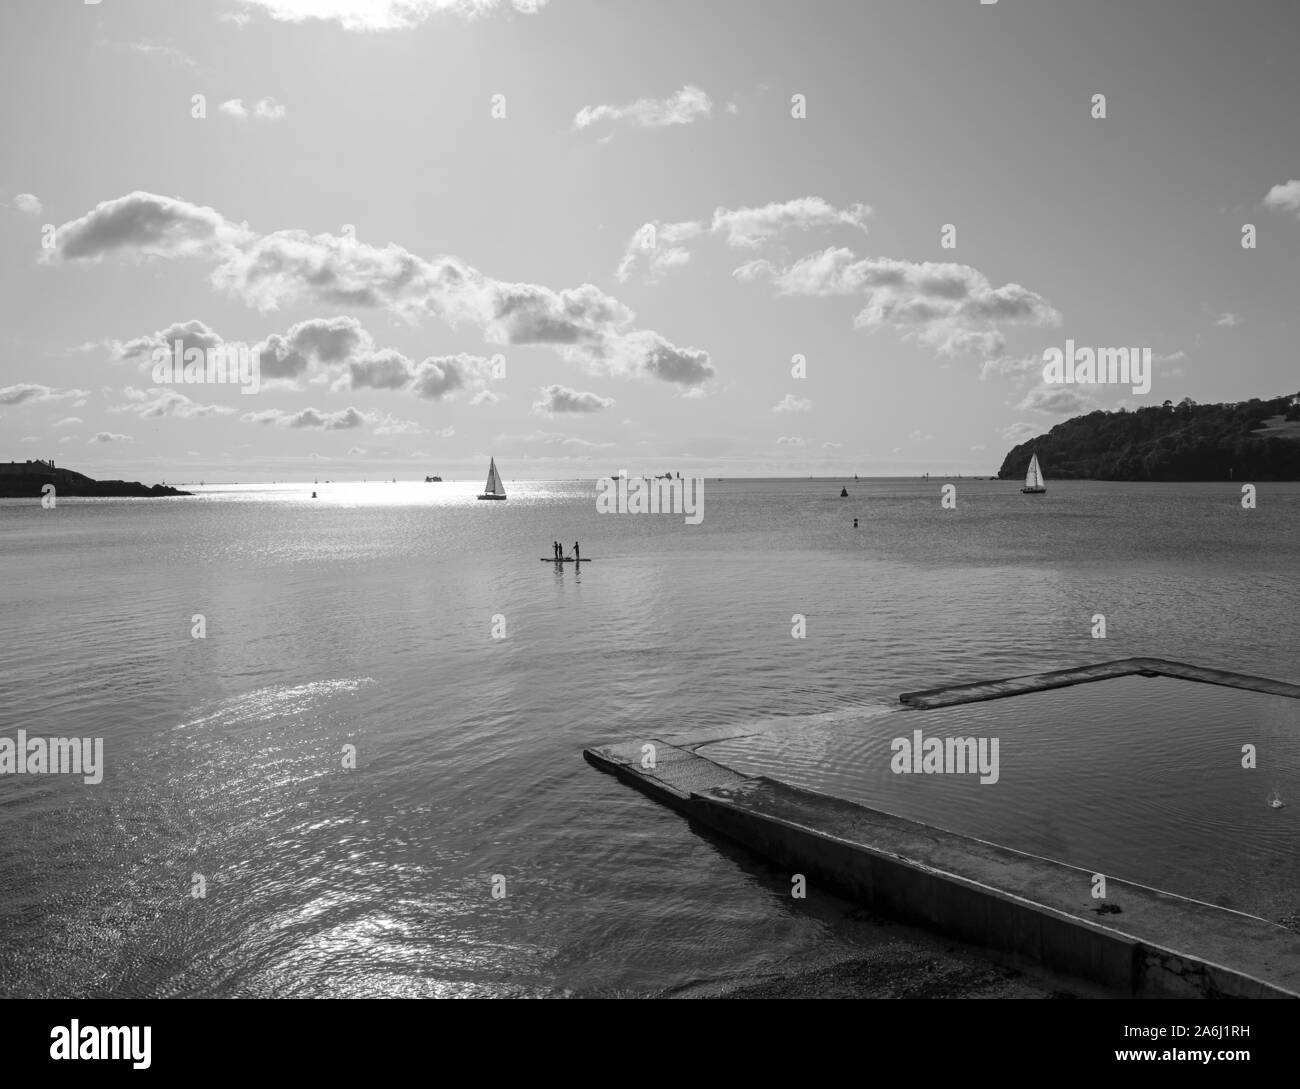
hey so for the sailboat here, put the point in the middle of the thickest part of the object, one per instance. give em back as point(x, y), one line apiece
point(493, 489)
point(1034, 478)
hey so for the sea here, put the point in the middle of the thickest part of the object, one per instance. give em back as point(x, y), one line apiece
point(343, 735)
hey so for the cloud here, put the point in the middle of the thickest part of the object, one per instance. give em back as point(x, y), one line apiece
point(831, 445)
point(163, 52)
point(191, 334)
point(373, 15)
point(344, 420)
point(28, 393)
point(558, 399)
point(662, 247)
point(1228, 320)
point(650, 354)
point(791, 403)
point(288, 267)
point(28, 203)
point(749, 227)
point(264, 109)
point(786, 440)
point(109, 436)
point(391, 425)
point(1019, 432)
point(1058, 400)
point(69, 421)
point(687, 105)
point(1284, 198)
point(1007, 364)
point(977, 447)
point(156, 403)
point(948, 307)
point(149, 224)
point(920, 436)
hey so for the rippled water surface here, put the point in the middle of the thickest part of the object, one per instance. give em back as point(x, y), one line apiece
point(365, 618)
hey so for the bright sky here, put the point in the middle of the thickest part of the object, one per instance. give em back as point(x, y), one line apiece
point(588, 235)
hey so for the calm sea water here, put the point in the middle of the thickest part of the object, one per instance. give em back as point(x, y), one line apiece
point(366, 618)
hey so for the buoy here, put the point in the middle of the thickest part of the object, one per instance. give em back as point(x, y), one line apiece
point(844, 493)
point(313, 495)
point(855, 523)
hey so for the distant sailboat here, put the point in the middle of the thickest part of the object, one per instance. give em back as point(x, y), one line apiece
point(1034, 478)
point(493, 489)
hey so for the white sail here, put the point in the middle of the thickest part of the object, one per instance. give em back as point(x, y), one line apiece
point(493, 485)
point(1034, 478)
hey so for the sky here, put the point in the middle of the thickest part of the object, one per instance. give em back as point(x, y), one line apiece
point(741, 237)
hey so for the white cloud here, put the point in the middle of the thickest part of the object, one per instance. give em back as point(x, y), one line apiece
point(791, 403)
point(787, 440)
point(1018, 432)
point(69, 421)
point(948, 307)
point(1228, 320)
point(109, 436)
point(264, 109)
point(1284, 198)
point(662, 245)
point(155, 403)
point(343, 420)
point(1058, 400)
point(1006, 364)
point(28, 393)
point(292, 267)
point(371, 15)
point(163, 52)
point(687, 105)
point(750, 227)
point(557, 399)
point(29, 203)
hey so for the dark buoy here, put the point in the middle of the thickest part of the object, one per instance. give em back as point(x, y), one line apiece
point(313, 495)
point(844, 493)
point(855, 523)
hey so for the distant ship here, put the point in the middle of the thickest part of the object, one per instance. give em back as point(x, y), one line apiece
point(493, 489)
point(1034, 478)
point(433, 480)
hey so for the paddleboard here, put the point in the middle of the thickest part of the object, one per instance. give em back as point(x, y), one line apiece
point(567, 559)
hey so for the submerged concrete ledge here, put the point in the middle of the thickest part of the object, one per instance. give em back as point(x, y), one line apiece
point(1159, 944)
point(1061, 678)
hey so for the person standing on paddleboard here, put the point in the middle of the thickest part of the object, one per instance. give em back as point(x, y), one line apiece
point(576, 557)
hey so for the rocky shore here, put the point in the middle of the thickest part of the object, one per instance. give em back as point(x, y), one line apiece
point(27, 480)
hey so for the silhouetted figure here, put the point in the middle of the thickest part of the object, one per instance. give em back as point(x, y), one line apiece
point(855, 523)
point(555, 545)
point(576, 558)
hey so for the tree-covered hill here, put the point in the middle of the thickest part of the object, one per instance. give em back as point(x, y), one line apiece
point(1248, 441)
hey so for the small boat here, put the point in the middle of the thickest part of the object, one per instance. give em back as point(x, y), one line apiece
point(1034, 478)
point(844, 493)
point(493, 489)
point(433, 480)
